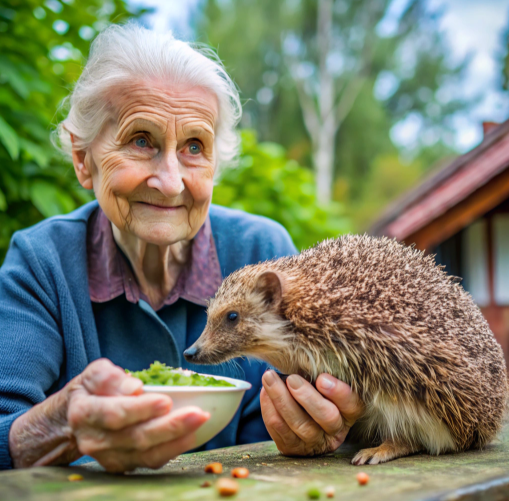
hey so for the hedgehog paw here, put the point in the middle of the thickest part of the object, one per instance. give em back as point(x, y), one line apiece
point(388, 451)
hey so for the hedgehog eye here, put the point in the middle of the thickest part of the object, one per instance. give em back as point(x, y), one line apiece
point(232, 316)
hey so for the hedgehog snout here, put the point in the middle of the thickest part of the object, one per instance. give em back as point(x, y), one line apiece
point(192, 353)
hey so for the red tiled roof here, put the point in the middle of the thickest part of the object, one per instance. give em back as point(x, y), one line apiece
point(446, 187)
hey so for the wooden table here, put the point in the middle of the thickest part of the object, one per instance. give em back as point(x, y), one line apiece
point(475, 475)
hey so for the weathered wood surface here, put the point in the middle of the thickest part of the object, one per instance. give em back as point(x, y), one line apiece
point(476, 475)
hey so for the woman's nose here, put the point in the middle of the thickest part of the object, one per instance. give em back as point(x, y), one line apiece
point(167, 177)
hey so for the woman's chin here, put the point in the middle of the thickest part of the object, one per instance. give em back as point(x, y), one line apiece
point(161, 232)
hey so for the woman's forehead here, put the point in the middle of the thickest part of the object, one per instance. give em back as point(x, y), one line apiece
point(162, 106)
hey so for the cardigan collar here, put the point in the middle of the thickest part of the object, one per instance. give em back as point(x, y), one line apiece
point(110, 274)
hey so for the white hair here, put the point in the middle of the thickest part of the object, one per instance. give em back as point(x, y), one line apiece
point(122, 54)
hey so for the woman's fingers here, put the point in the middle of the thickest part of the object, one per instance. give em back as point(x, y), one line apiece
point(102, 377)
point(279, 431)
point(115, 413)
point(296, 418)
point(159, 455)
point(145, 436)
point(343, 397)
point(121, 461)
point(321, 410)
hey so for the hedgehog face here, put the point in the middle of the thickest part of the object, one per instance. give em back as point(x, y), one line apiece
point(244, 319)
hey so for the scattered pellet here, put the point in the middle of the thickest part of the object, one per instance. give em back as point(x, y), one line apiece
point(362, 478)
point(314, 493)
point(227, 487)
point(75, 477)
point(240, 473)
point(214, 468)
point(206, 484)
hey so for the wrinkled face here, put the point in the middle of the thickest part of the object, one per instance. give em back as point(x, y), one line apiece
point(152, 165)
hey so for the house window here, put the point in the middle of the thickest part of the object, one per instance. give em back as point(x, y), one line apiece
point(501, 258)
point(475, 262)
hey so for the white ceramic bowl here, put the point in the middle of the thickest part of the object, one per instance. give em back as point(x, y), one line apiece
point(221, 402)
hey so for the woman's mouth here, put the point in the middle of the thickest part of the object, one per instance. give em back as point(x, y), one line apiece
point(161, 206)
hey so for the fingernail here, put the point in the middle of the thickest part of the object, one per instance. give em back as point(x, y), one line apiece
point(162, 406)
point(326, 382)
point(193, 420)
point(129, 386)
point(269, 378)
point(295, 381)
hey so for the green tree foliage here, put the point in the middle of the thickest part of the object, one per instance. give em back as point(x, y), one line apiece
point(268, 183)
point(405, 74)
point(505, 61)
point(388, 178)
point(42, 46)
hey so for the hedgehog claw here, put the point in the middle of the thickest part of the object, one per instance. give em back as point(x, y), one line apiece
point(381, 454)
point(362, 457)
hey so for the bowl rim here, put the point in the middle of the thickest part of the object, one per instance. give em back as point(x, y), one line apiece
point(239, 385)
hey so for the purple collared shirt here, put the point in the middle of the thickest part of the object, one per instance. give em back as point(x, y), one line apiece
point(110, 274)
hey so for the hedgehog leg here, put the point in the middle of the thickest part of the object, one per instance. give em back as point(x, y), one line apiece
point(387, 451)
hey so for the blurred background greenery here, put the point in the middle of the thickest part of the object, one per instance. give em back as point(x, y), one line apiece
point(322, 88)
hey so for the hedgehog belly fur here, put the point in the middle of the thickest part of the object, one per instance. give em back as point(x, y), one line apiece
point(410, 422)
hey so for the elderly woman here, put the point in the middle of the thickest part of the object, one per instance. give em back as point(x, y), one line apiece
point(125, 280)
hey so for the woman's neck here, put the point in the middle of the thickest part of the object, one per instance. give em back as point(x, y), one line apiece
point(156, 268)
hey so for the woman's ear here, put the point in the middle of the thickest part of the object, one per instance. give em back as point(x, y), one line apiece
point(80, 167)
point(270, 285)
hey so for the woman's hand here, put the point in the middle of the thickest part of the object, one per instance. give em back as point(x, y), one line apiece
point(104, 414)
point(319, 424)
point(123, 429)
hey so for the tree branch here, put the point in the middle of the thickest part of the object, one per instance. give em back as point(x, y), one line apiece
point(309, 110)
point(353, 87)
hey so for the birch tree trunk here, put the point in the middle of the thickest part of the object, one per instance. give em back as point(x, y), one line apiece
point(324, 112)
point(323, 160)
point(323, 143)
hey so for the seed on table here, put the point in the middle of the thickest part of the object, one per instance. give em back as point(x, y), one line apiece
point(227, 487)
point(314, 493)
point(75, 477)
point(214, 468)
point(240, 473)
point(330, 491)
point(362, 478)
point(206, 484)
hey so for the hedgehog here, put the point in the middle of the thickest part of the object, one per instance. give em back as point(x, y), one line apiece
point(382, 317)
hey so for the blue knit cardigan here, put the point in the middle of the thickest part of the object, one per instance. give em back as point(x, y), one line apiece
point(48, 333)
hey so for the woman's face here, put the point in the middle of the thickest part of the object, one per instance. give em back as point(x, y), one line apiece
point(152, 166)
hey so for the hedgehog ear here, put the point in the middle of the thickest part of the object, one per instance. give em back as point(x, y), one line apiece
point(270, 285)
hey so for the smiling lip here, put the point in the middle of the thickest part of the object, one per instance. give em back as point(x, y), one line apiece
point(161, 207)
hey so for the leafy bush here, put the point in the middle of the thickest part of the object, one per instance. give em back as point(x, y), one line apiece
point(42, 47)
point(42, 50)
point(268, 183)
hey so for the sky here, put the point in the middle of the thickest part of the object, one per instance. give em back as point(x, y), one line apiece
point(471, 27)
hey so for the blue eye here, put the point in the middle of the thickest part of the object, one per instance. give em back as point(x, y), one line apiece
point(232, 316)
point(194, 148)
point(141, 142)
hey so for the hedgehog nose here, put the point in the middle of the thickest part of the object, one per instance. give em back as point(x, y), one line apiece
point(191, 353)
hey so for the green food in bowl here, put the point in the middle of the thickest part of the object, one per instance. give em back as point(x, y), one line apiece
point(159, 374)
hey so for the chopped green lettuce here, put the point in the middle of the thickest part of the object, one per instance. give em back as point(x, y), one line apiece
point(159, 374)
